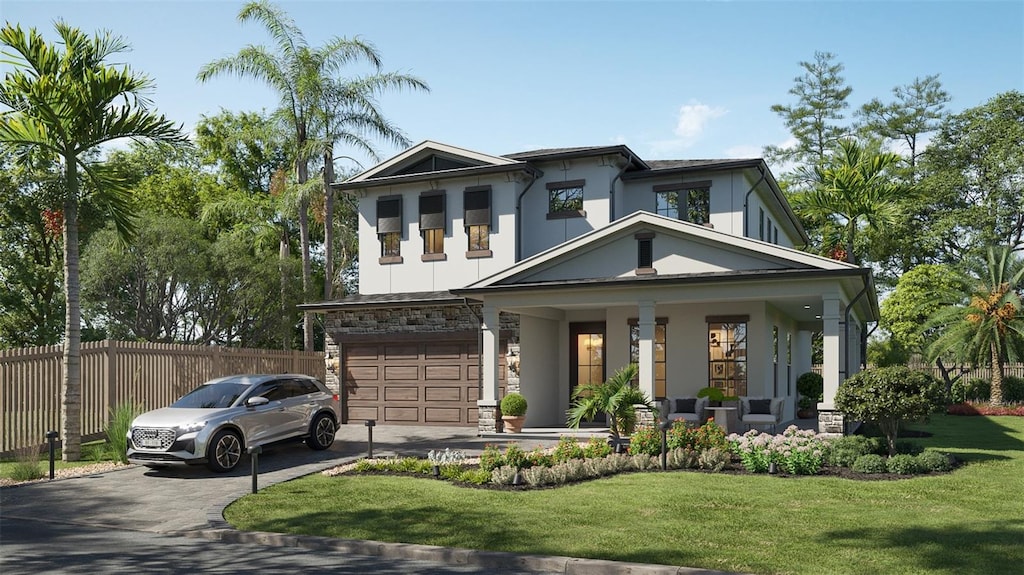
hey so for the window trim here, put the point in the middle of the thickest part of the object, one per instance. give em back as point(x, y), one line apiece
point(645, 239)
point(683, 189)
point(566, 185)
point(387, 224)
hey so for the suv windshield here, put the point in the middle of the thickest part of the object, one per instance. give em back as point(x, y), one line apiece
point(213, 396)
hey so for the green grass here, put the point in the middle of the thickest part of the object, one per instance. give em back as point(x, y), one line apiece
point(93, 452)
point(969, 521)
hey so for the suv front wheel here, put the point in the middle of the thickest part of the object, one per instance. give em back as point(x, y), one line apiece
point(225, 451)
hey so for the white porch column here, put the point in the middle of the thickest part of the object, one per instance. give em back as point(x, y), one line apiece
point(831, 349)
point(829, 420)
point(646, 324)
point(802, 352)
point(488, 403)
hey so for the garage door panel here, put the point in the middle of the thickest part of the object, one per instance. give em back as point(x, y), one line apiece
point(443, 351)
point(362, 392)
point(362, 352)
point(409, 372)
point(363, 412)
point(401, 414)
point(445, 415)
point(443, 372)
point(443, 394)
point(362, 373)
point(395, 393)
point(402, 351)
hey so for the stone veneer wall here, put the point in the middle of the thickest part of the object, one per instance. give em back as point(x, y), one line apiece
point(831, 422)
point(414, 320)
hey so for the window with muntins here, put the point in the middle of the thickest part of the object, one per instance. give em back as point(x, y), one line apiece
point(760, 225)
point(476, 201)
point(389, 228)
point(727, 354)
point(687, 201)
point(565, 199)
point(432, 222)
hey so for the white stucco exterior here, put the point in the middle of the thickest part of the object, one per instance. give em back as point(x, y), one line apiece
point(557, 271)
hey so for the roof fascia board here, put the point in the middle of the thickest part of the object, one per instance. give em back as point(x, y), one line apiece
point(620, 149)
point(442, 174)
point(429, 145)
point(655, 173)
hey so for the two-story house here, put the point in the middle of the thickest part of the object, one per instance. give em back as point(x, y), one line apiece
point(544, 270)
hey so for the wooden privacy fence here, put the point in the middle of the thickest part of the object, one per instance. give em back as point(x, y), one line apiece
point(115, 372)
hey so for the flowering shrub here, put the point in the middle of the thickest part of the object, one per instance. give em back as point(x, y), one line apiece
point(491, 458)
point(596, 447)
point(568, 448)
point(645, 440)
point(538, 457)
point(795, 451)
point(707, 436)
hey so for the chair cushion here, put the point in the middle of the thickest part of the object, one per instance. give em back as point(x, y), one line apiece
point(685, 405)
point(760, 406)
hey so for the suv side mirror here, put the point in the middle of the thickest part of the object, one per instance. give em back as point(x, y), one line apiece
point(256, 401)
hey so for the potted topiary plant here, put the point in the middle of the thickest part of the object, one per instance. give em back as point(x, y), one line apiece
point(714, 395)
point(810, 386)
point(513, 412)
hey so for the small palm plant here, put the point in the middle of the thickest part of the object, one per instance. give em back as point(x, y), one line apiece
point(615, 397)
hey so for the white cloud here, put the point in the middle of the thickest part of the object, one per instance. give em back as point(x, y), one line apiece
point(618, 140)
point(693, 118)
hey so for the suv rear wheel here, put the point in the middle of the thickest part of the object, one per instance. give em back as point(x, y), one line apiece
point(225, 451)
point(321, 432)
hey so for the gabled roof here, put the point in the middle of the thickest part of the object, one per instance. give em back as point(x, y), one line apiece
point(547, 154)
point(460, 161)
point(385, 300)
point(541, 271)
point(793, 259)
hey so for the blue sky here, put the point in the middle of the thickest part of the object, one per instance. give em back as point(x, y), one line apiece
point(669, 79)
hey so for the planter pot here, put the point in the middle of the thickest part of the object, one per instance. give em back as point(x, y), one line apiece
point(513, 423)
point(808, 413)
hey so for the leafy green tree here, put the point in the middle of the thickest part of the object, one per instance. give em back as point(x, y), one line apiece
point(990, 328)
point(304, 78)
point(814, 120)
point(974, 177)
point(918, 109)
point(920, 294)
point(62, 100)
point(247, 148)
point(348, 113)
point(888, 396)
point(854, 185)
point(614, 397)
point(30, 257)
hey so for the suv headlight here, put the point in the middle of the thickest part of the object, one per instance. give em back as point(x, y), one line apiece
point(190, 427)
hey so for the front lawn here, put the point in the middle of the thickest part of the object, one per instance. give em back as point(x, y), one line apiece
point(968, 521)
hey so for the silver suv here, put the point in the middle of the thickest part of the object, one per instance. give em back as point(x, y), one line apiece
point(218, 421)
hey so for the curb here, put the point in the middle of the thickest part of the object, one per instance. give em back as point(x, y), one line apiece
point(452, 556)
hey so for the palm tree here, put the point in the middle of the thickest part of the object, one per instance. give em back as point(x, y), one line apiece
point(615, 397)
point(990, 328)
point(64, 103)
point(348, 113)
point(853, 185)
point(303, 77)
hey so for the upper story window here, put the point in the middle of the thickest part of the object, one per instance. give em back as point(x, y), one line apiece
point(565, 199)
point(389, 229)
point(688, 201)
point(768, 227)
point(432, 224)
point(477, 218)
point(760, 224)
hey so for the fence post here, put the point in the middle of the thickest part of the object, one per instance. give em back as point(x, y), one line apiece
point(111, 354)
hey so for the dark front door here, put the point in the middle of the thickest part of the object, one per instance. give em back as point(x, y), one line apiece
point(586, 356)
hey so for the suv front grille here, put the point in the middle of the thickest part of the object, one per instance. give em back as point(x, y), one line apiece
point(153, 437)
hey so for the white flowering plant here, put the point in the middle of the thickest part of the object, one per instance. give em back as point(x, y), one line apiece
point(795, 451)
point(446, 457)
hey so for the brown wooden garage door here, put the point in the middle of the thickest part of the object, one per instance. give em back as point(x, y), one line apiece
point(421, 382)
